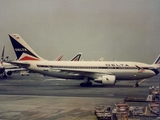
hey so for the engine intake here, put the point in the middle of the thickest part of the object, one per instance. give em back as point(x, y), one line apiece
point(8, 73)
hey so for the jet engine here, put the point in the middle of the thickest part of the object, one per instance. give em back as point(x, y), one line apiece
point(8, 73)
point(106, 79)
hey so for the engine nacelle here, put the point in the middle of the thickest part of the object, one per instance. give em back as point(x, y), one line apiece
point(8, 73)
point(106, 79)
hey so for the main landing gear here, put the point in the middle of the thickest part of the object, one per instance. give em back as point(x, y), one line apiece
point(86, 82)
point(4, 76)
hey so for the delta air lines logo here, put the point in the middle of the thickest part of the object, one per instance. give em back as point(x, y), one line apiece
point(23, 52)
point(117, 65)
point(25, 56)
point(20, 49)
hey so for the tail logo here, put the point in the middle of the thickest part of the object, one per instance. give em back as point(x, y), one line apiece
point(21, 51)
point(60, 57)
point(27, 57)
point(158, 61)
point(76, 58)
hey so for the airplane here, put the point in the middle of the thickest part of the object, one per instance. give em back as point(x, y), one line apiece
point(59, 58)
point(100, 59)
point(104, 72)
point(6, 69)
point(157, 61)
point(77, 57)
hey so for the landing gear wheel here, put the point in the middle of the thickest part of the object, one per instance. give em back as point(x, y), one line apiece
point(90, 83)
point(87, 84)
point(4, 76)
point(136, 85)
point(82, 84)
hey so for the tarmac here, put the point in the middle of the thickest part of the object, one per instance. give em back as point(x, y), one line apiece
point(38, 97)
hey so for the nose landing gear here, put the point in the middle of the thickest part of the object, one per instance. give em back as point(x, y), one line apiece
point(138, 83)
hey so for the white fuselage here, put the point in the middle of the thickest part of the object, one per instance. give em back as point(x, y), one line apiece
point(78, 70)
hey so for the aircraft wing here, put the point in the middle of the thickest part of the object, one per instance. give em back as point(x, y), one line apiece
point(15, 69)
point(88, 73)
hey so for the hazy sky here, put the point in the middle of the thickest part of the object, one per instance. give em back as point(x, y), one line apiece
point(121, 29)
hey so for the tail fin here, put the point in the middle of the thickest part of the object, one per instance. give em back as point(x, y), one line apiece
point(22, 50)
point(100, 59)
point(157, 61)
point(77, 57)
point(59, 58)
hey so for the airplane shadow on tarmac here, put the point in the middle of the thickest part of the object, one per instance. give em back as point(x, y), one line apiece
point(113, 86)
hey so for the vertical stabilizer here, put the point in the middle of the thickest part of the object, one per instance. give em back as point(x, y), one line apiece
point(59, 58)
point(157, 61)
point(22, 50)
point(101, 59)
point(77, 57)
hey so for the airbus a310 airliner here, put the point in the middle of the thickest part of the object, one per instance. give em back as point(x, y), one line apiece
point(104, 72)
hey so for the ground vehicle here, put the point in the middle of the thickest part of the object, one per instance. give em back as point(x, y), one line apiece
point(24, 73)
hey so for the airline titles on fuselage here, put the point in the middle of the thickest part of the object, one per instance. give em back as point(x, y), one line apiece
point(117, 65)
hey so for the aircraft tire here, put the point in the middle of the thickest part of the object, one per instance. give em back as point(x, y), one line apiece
point(4, 76)
point(89, 84)
point(136, 85)
point(82, 85)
